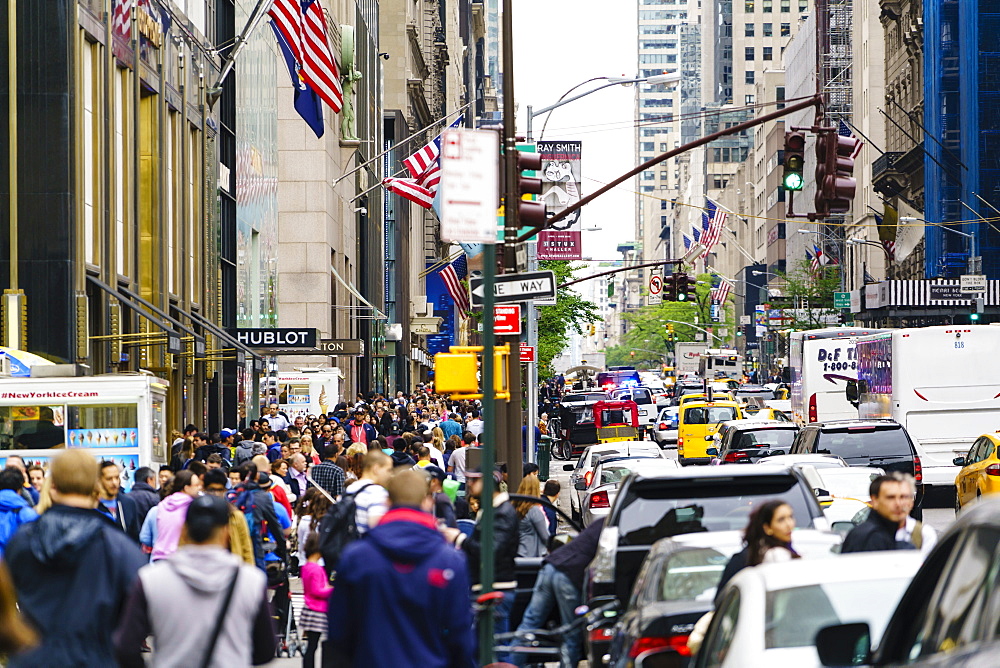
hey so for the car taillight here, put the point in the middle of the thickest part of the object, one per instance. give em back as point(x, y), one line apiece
point(602, 634)
point(663, 426)
point(993, 469)
point(599, 500)
point(735, 456)
point(587, 477)
point(676, 643)
point(918, 470)
point(813, 415)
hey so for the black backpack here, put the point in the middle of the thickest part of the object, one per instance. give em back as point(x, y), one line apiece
point(338, 529)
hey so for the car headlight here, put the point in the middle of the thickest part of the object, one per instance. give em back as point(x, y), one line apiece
point(604, 561)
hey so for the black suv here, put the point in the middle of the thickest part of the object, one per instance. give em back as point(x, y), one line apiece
point(880, 443)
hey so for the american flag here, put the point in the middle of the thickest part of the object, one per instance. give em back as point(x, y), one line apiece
point(452, 275)
point(696, 232)
point(121, 20)
point(687, 242)
point(721, 293)
point(303, 24)
point(813, 261)
point(844, 131)
point(715, 227)
point(424, 167)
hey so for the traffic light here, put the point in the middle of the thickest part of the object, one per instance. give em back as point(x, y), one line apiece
point(530, 212)
point(980, 306)
point(670, 287)
point(835, 182)
point(795, 159)
point(683, 285)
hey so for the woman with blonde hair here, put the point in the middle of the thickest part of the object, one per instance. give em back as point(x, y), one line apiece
point(437, 438)
point(355, 462)
point(533, 526)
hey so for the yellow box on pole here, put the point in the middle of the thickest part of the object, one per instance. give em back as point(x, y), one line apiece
point(455, 373)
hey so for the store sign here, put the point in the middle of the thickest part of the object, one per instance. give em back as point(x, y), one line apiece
point(304, 337)
point(561, 178)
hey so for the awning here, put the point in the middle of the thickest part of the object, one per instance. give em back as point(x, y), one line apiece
point(223, 334)
point(376, 314)
point(142, 309)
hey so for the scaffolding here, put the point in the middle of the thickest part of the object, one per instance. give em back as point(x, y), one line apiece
point(835, 58)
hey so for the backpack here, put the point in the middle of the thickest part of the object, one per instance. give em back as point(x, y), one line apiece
point(244, 499)
point(339, 528)
point(11, 521)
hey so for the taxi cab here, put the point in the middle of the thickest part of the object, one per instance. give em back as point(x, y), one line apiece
point(697, 424)
point(980, 472)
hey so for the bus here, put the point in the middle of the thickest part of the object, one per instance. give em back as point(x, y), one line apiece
point(718, 364)
point(822, 361)
point(942, 383)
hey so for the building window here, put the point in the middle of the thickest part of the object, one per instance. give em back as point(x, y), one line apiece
point(779, 96)
point(663, 175)
point(749, 99)
point(663, 147)
point(663, 204)
point(648, 175)
point(748, 6)
point(786, 29)
point(646, 189)
point(663, 221)
point(768, 53)
point(719, 181)
point(766, 28)
point(648, 146)
point(766, 6)
point(748, 53)
point(786, 6)
point(803, 5)
point(748, 30)
point(748, 77)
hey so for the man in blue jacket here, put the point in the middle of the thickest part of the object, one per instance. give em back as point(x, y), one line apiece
point(14, 510)
point(401, 597)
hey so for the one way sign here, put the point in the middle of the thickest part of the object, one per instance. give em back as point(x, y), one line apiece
point(516, 287)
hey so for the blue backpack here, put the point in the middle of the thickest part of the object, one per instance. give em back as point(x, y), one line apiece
point(244, 499)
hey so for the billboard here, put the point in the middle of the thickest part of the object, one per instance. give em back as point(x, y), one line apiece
point(561, 177)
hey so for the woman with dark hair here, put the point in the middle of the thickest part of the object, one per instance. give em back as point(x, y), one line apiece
point(767, 539)
point(183, 456)
point(454, 442)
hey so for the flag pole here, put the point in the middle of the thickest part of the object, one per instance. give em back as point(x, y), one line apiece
point(398, 144)
point(215, 91)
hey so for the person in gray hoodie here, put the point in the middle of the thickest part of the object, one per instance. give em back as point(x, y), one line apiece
point(203, 606)
point(244, 449)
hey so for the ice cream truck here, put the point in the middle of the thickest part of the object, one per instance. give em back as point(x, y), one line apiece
point(308, 391)
point(117, 417)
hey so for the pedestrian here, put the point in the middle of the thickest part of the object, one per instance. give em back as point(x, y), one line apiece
point(457, 462)
point(143, 494)
point(36, 477)
point(27, 491)
point(370, 495)
point(309, 514)
point(119, 507)
point(891, 501)
point(533, 526)
point(559, 584)
point(551, 492)
point(275, 420)
point(475, 426)
point(360, 431)
point(184, 455)
point(244, 449)
point(451, 426)
point(277, 491)
point(240, 543)
point(298, 479)
point(444, 510)
point(258, 507)
point(505, 544)
point(405, 581)
point(327, 474)
point(272, 442)
point(316, 590)
point(166, 475)
point(16, 635)
point(170, 513)
point(203, 606)
point(400, 458)
point(72, 570)
point(14, 510)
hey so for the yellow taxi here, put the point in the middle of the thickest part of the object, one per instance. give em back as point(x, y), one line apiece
point(688, 398)
point(980, 472)
point(697, 422)
point(766, 413)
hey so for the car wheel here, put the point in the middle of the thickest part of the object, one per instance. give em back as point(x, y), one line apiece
point(958, 502)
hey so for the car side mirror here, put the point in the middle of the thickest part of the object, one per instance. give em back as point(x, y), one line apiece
point(844, 645)
point(580, 486)
point(712, 452)
point(663, 657)
point(843, 528)
point(853, 392)
point(959, 461)
point(569, 467)
point(710, 437)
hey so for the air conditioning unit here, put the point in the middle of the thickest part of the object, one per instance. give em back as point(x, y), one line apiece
point(421, 308)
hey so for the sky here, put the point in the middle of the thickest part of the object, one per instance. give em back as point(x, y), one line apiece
point(557, 45)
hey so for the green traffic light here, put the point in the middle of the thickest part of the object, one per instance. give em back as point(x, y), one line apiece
point(974, 317)
point(793, 181)
point(682, 296)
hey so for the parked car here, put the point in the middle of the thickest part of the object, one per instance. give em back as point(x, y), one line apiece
point(665, 428)
point(880, 443)
point(583, 470)
point(769, 615)
point(676, 586)
point(948, 614)
point(980, 472)
point(610, 472)
point(749, 440)
point(685, 500)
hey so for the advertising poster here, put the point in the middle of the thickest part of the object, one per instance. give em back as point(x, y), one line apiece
point(127, 466)
point(561, 177)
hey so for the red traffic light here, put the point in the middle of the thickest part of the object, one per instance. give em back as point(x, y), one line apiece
point(835, 182)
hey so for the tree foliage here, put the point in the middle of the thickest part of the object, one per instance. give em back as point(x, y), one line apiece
point(807, 295)
point(571, 313)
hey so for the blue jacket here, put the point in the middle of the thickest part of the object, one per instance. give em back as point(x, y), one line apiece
point(451, 428)
point(14, 511)
point(72, 570)
point(401, 597)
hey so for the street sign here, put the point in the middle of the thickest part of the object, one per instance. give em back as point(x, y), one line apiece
point(945, 292)
point(972, 283)
point(469, 189)
point(655, 284)
point(841, 300)
point(527, 353)
point(516, 287)
point(745, 320)
point(507, 320)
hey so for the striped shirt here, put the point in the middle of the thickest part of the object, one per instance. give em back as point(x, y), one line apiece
point(370, 503)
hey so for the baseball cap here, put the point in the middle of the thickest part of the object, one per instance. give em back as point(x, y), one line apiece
point(207, 512)
point(264, 480)
point(477, 473)
point(435, 472)
point(226, 433)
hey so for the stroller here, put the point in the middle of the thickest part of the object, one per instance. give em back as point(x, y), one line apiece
point(284, 611)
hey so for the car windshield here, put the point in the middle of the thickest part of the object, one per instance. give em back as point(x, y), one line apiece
point(693, 575)
point(772, 438)
point(863, 443)
point(615, 473)
point(709, 414)
point(795, 615)
point(584, 397)
point(658, 508)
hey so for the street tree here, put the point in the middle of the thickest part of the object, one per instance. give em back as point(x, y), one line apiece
point(807, 295)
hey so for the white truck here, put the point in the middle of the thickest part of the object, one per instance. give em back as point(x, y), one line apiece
point(822, 361)
point(118, 417)
point(688, 357)
point(308, 391)
point(941, 383)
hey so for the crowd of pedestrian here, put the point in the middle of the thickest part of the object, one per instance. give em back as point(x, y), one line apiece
point(193, 563)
